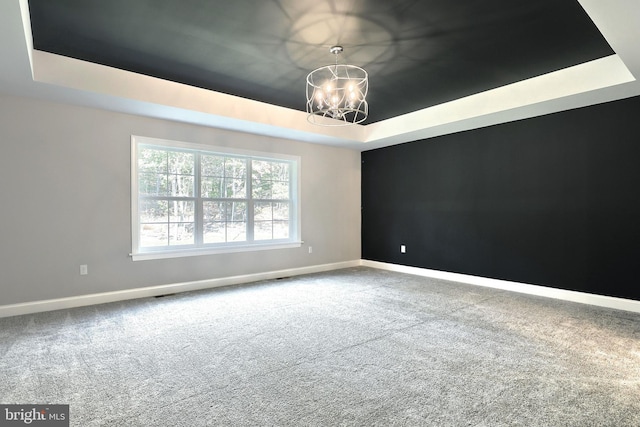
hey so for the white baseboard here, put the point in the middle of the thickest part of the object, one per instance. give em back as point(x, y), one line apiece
point(106, 297)
point(544, 291)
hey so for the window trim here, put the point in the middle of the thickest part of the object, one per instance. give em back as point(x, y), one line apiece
point(229, 247)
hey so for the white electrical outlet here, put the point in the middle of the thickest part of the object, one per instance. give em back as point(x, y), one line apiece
point(84, 270)
point(403, 249)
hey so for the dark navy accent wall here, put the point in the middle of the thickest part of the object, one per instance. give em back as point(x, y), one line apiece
point(552, 200)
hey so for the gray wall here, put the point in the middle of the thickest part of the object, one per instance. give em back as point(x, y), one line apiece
point(65, 201)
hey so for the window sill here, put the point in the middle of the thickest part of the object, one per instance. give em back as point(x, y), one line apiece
point(143, 256)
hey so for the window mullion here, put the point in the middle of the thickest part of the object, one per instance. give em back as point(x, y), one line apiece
point(250, 209)
point(199, 209)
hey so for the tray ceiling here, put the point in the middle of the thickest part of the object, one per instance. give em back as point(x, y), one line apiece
point(418, 53)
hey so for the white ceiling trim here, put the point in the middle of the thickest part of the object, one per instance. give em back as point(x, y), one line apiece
point(507, 103)
point(27, 72)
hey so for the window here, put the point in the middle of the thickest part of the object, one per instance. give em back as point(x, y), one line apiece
point(190, 199)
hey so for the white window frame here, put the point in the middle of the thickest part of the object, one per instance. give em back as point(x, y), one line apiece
point(294, 240)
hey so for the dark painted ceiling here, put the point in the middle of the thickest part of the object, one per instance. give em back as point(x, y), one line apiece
point(418, 53)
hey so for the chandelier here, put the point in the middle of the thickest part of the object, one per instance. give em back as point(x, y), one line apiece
point(337, 92)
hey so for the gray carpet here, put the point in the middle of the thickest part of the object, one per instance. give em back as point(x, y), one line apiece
point(352, 347)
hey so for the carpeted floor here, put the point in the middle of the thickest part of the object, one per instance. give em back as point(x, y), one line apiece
point(359, 347)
